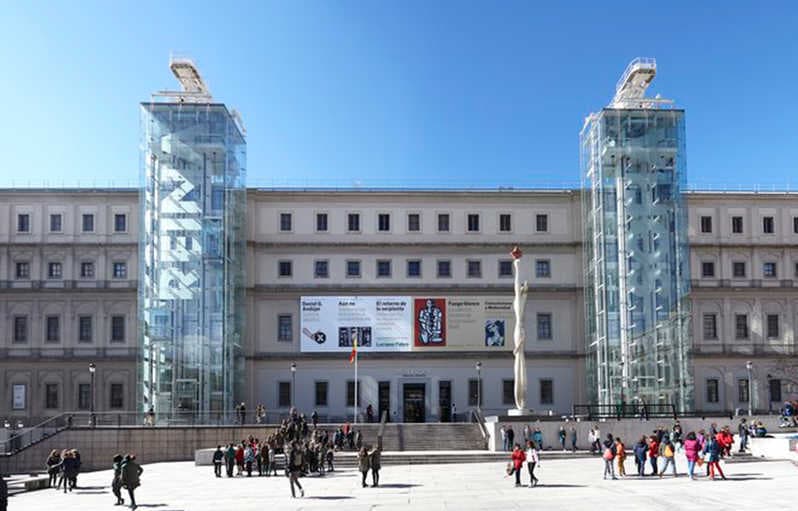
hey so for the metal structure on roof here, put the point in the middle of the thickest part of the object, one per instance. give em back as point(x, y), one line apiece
point(630, 91)
point(194, 88)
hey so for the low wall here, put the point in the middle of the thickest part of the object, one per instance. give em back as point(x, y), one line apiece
point(629, 430)
point(780, 446)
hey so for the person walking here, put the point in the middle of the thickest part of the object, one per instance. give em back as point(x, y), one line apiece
point(609, 455)
point(53, 466)
point(376, 465)
point(640, 450)
point(691, 451)
point(116, 483)
point(742, 430)
point(363, 463)
point(518, 458)
point(668, 451)
point(620, 456)
point(218, 459)
point(532, 460)
point(295, 461)
point(131, 477)
point(653, 452)
point(573, 438)
point(712, 454)
point(562, 435)
point(230, 459)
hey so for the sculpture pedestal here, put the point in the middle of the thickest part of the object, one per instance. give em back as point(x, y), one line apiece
point(517, 412)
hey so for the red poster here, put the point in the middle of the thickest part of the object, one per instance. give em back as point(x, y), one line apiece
point(429, 322)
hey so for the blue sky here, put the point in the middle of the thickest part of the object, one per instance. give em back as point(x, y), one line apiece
point(406, 92)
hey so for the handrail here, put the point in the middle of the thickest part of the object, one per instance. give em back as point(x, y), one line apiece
point(476, 416)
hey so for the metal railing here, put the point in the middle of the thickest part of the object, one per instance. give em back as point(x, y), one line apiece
point(625, 411)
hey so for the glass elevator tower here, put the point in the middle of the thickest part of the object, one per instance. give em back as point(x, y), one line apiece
point(192, 251)
point(632, 157)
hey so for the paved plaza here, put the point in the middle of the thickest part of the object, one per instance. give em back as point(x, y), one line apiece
point(564, 484)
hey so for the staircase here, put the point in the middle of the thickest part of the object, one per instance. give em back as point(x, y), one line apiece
point(422, 436)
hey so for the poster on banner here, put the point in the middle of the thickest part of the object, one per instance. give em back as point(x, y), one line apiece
point(467, 323)
point(332, 323)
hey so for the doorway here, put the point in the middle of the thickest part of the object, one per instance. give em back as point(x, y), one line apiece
point(414, 402)
point(445, 400)
point(384, 400)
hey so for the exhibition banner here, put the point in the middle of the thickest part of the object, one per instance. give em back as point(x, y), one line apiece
point(403, 323)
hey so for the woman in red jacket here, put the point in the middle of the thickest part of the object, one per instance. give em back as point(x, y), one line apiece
point(518, 458)
point(653, 452)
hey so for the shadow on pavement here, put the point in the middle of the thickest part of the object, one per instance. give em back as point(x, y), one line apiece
point(540, 485)
point(330, 497)
point(398, 485)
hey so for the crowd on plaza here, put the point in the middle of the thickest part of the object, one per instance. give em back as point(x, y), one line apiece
point(657, 450)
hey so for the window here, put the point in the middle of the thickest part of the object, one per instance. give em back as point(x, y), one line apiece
point(55, 222)
point(23, 223)
point(542, 268)
point(443, 222)
point(473, 222)
point(321, 269)
point(285, 328)
point(120, 222)
point(769, 270)
point(284, 268)
point(87, 270)
point(19, 396)
point(120, 270)
point(54, 270)
point(474, 268)
point(796, 270)
point(117, 329)
point(383, 268)
point(23, 270)
point(541, 223)
point(84, 396)
point(116, 396)
point(321, 222)
point(285, 222)
point(284, 394)
point(414, 268)
point(444, 268)
point(353, 269)
point(708, 269)
point(773, 326)
point(20, 329)
point(413, 222)
point(544, 326)
point(712, 390)
point(353, 222)
point(87, 222)
point(505, 222)
point(774, 386)
point(52, 329)
point(383, 222)
point(350, 393)
point(768, 225)
point(742, 390)
point(84, 328)
point(741, 326)
point(711, 326)
point(475, 394)
point(51, 395)
point(546, 392)
point(321, 393)
point(737, 224)
point(795, 224)
point(738, 269)
point(508, 392)
point(505, 268)
point(706, 224)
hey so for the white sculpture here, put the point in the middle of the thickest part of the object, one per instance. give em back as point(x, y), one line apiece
point(519, 334)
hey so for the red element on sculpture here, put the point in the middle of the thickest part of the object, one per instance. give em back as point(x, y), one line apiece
point(516, 252)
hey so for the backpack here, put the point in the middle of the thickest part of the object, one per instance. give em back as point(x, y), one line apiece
point(668, 451)
point(608, 454)
point(298, 458)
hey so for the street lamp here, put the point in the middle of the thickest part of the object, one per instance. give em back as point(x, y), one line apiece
point(92, 370)
point(749, 366)
point(293, 384)
point(479, 387)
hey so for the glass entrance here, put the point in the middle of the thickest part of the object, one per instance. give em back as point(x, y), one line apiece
point(413, 397)
point(445, 400)
point(384, 400)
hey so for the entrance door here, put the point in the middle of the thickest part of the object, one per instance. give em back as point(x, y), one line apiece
point(384, 399)
point(445, 400)
point(414, 401)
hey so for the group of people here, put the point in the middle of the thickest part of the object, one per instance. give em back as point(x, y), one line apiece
point(370, 461)
point(127, 475)
point(528, 456)
point(63, 468)
point(566, 438)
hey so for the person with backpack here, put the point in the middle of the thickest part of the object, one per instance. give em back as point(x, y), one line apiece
point(363, 463)
point(295, 462)
point(116, 483)
point(641, 448)
point(131, 477)
point(608, 456)
point(668, 451)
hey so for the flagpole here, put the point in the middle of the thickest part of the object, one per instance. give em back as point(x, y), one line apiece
point(356, 385)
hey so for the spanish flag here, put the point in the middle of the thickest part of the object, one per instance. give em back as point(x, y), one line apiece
point(353, 355)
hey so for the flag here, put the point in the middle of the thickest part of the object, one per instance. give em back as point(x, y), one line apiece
point(353, 355)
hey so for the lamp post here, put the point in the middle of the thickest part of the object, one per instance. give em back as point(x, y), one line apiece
point(479, 387)
point(749, 366)
point(293, 384)
point(92, 370)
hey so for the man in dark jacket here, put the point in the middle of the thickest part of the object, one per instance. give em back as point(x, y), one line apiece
point(376, 465)
point(218, 458)
point(131, 477)
point(509, 436)
point(230, 459)
point(742, 429)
